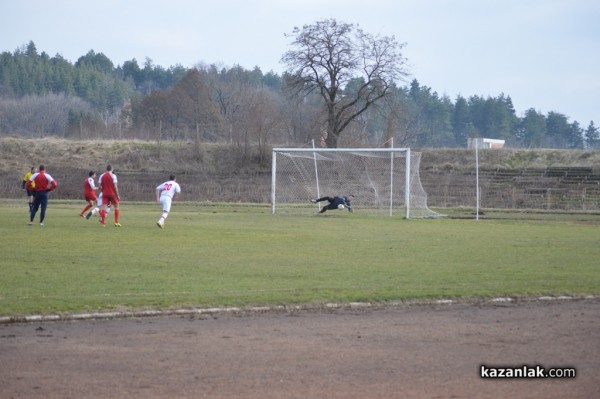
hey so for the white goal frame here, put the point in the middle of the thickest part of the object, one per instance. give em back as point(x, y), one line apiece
point(311, 177)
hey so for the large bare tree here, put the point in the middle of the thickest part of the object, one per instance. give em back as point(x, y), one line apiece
point(348, 68)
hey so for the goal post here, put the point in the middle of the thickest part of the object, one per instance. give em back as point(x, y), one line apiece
point(383, 181)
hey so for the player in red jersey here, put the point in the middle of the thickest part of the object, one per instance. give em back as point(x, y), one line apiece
point(41, 183)
point(89, 192)
point(110, 195)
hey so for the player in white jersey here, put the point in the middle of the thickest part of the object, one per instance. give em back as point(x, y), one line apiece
point(165, 193)
point(97, 209)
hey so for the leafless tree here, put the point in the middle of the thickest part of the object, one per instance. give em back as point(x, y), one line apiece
point(264, 122)
point(39, 116)
point(328, 56)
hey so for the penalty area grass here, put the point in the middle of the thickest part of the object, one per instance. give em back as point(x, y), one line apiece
point(236, 255)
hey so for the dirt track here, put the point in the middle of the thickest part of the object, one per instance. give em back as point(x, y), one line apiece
point(416, 351)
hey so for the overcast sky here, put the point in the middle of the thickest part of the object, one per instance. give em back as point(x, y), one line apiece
point(544, 54)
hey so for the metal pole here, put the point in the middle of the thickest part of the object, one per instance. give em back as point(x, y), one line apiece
point(273, 171)
point(392, 178)
point(477, 177)
point(407, 184)
point(316, 174)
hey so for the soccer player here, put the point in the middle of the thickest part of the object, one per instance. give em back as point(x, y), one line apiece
point(165, 193)
point(97, 209)
point(110, 195)
point(335, 203)
point(24, 187)
point(89, 192)
point(41, 183)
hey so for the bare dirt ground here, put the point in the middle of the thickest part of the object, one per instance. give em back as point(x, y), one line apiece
point(403, 351)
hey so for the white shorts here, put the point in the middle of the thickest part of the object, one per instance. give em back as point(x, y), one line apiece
point(165, 201)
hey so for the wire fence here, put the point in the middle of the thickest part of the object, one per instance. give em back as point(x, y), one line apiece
point(546, 198)
point(444, 190)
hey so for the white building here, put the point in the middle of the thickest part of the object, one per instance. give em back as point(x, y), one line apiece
point(492, 144)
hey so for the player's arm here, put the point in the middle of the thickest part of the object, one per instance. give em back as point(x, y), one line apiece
point(30, 182)
point(26, 179)
point(52, 183)
point(348, 205)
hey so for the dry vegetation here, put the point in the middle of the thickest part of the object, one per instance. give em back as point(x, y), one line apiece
point(224, 172)
point(439, 160)
point(213, 171)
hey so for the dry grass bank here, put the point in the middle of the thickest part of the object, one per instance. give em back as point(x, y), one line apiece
point(223, 172)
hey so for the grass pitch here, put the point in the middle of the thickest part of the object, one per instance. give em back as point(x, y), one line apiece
point(236, 255)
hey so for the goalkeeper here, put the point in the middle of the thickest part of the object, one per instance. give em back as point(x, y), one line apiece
point(340, 202)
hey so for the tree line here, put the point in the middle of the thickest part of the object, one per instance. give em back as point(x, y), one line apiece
point(94, 99)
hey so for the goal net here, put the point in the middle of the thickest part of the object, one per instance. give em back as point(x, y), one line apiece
point(383, 181)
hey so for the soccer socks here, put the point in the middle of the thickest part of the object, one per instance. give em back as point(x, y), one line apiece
point(102, 216)
point(163, 217)
point(161, 221)
point(85, 210)
point(117, 214)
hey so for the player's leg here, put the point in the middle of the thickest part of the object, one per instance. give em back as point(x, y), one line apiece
point(87, 207)
point(106, 212)
point(163, 217)
point(30, 198)
point(34, 208)
point(102, 212)
point(165, 203)
point(96, 210)
point(329, 207)
point(92, 212)
point(117, 212)
point(43, 206)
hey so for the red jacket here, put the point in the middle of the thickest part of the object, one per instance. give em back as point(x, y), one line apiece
point(43, 182)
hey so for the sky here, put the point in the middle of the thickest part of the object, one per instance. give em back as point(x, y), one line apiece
point(544, 54)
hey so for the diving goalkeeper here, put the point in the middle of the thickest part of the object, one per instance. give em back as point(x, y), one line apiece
point(335, 203)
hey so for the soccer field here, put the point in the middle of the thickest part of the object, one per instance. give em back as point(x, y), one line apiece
point(241, 255)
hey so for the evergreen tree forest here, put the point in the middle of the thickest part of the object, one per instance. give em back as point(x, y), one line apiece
point(43, 96)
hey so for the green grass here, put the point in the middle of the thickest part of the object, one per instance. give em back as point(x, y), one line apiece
point(237, 255)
